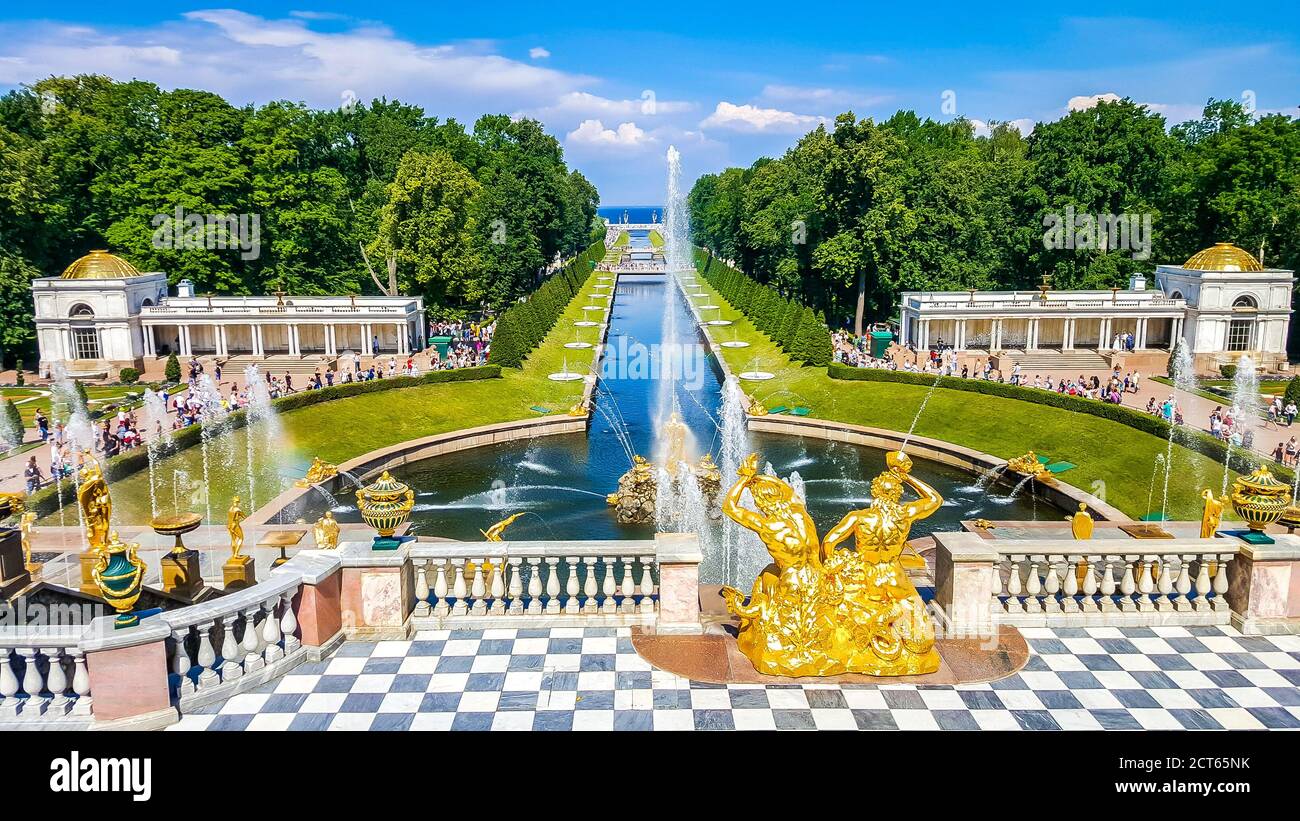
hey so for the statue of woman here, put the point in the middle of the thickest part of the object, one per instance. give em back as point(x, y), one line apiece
point(25, 523)
point(784, 629)
point(885, 629)
point(1211, 514)
point(326, 532)
point(96, 503)
point(234, 528)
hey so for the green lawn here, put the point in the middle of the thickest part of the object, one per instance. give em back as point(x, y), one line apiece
point(622, 240)
point(29, 400)
point(344, 428)
point(656, 239)
point(1117, 456)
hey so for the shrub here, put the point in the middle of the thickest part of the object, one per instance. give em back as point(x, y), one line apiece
point(128, 376)
point(1292, 391)
point(20, 379)
point(13, 418)
point(172, 372)
point(81, 393)
point(1228, 371)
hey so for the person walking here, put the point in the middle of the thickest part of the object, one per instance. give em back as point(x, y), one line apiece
point(32, 475)
point(42, 425)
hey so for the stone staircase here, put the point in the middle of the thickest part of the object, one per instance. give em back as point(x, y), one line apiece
point(280, 365)
point(1060, 361)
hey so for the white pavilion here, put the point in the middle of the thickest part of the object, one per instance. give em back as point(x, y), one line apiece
point(101, 314)
point(1222, 303)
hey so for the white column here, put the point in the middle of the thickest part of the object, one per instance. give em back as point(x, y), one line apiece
point(221, 343)
point(959, 343)
point(329, 341)
point(65, 343)
point(365, 338)
point(400, 327)
point(925, 335)
point(1031, 335)
point(146, 336)
point(1067, 334)
point(294, 347)
point(255, 331)
point(1141, 341)
point(183, 331)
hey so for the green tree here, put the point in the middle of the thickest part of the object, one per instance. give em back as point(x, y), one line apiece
point(172, 370)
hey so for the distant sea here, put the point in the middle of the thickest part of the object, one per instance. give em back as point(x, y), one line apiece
point(635, 213)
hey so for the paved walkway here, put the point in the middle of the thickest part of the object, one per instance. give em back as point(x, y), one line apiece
point(592, 679)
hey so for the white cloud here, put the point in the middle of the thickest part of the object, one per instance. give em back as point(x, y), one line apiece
point(821, 97)
point(594, 133)
point(1025, 125)
point(247, 58)
point(576, 105)
point(1083, 103)
point(538, 53)
point(752, 119)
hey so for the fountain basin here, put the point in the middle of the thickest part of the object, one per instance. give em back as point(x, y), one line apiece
point(577, 344)
point(565, 376)
point(718, 322)
point(709, 307)
point(593, 307)
point(587, 324)
point(735, 343)
point(756, 376)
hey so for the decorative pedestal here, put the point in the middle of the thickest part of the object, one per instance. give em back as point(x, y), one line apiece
point(390, 542)
point(14, 576)
point(88, 561)
point(181, 574)
point(238, 572)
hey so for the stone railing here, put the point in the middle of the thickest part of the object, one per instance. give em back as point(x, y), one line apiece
point(92, 675)
point(529, 582)
point(1121, 582)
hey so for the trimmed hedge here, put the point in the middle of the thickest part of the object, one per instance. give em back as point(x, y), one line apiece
point(523, 326)
point(45, 500)
point(790, 324)
point(1195, 440)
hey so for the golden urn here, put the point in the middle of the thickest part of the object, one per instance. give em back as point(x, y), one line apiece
point(385, 505)
point(1260, 499)
point(119, 575)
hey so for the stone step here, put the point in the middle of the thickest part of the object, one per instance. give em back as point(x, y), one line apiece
point(1070, 360)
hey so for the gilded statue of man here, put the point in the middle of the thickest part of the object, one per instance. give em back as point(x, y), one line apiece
point(326, 532)
point(235, 528)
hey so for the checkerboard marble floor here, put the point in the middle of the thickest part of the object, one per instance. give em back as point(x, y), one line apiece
point(592, 679)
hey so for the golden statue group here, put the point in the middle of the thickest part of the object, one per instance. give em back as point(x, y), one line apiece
point(819, 611)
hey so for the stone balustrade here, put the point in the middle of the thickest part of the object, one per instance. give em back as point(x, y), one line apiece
point(43, 676)
point(1122, 582)
point(610, 582)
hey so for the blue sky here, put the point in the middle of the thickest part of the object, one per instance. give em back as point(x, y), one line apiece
point(619, 83)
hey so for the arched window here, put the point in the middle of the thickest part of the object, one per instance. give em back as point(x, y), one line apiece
point(1245, 302)
point(1176, 295)
point(146, 303)
point(81, 311)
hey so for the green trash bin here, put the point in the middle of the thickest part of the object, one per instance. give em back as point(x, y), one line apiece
point(880, 342)
point(441, 343)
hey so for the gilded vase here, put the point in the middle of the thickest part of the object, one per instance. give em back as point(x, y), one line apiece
point(385, 504)
point(119, 575)
point(1260, 499)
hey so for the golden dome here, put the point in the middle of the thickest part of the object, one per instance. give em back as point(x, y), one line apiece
point(1223, 256)
point(100, 265)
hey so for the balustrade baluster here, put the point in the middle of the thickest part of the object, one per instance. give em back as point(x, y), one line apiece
point(440, 607)
point(1033, 588)
point(1070, 585)
point(647, 603)
point(1014, 605)
point(1220, 603)
point(626, 589)
point(1165, 584)
point(422, 607)
point(9, 701)
point(1127, 586)
point(571, 587)
point(207, 657)
point(553, 585)
point(231, 655)
point(535, 587)
point(1051, 586)
point(56, 681)
point(252, 641)
point(1108, 585)
point(80, 683)
point(516, 589)
point(461, 607)
point(478, 590)
point(998, 588)
point(608, 588)
point(499, 588)
point(33, 684)
point(1184, 584)
point(589, 587)
point(1146, 584)
point(181, 662)
point(289, 623)
point(1203, 586)
point(271, 635)
point(1088, 604)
